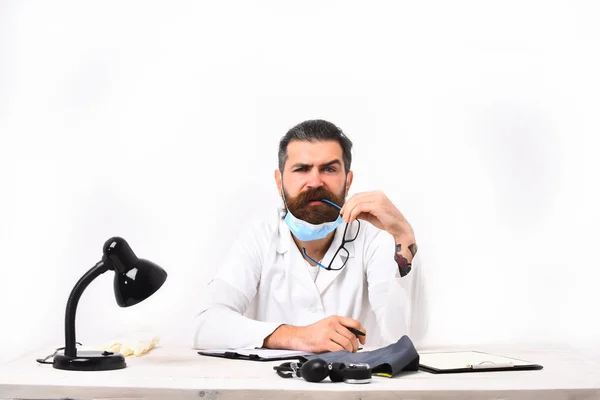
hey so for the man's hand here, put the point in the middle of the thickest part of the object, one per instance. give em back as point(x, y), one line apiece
point(376, 208)
point(328, 334)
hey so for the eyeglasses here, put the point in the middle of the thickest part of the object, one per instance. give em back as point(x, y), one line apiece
point(341, 248)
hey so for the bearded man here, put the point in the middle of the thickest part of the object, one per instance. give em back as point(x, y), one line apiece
point(325, 273)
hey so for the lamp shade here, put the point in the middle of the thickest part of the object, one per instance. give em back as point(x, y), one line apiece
point(135, 279)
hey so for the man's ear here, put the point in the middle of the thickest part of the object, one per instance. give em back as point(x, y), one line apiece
point(349, 182)
point(278, 180)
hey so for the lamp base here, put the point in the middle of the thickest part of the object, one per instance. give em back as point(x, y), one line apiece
point(90, 361)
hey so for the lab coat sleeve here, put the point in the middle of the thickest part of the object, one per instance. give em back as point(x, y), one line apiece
point(394, 299)
point(220, 322)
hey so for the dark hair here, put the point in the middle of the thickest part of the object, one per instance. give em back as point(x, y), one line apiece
point(312, 131)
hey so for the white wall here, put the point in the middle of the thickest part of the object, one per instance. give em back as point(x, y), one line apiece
point(159, 122)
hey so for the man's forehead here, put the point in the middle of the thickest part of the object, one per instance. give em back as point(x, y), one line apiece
point(314, 152)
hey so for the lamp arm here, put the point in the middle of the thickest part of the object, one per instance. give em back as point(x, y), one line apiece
point(76, 293)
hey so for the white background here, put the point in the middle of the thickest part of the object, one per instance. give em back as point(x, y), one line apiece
point(159, 122)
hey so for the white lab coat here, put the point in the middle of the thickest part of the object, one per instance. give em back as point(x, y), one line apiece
point(264, 282)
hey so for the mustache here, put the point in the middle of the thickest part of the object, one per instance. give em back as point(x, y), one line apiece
point(315, 194)
point(318, 213)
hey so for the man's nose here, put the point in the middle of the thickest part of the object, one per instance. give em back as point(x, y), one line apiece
point(314, 178)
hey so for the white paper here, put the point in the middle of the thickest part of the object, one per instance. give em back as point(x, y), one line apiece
point(262, 353)
point(466, 359)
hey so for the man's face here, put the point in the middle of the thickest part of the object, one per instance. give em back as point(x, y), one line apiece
point(314, 171)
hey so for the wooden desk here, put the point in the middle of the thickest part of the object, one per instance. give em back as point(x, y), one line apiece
point(180, 373)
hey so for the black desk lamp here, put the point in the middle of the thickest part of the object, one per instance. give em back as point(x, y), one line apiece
point(135, 280)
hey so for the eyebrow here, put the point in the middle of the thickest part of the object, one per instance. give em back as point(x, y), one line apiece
point(328, 164)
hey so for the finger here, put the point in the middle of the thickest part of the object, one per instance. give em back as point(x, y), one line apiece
point(342, 341)
point(352, 323)
point(342, 330)
point(348, 210)
point(355, 199)
point(333, 346)
point(362, 339)
point(361, 208)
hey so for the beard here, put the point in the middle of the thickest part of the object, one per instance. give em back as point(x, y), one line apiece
point(315, 213)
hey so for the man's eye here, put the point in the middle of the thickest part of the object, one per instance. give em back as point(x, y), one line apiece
point(301, 169)
point(329, 169)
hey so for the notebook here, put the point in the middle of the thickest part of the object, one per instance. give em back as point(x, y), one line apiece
point(471, 361)
point(257, 354)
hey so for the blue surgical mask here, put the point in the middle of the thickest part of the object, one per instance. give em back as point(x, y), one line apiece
point(306, 231)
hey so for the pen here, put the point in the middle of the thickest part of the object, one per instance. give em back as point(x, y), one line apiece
point(356, 331)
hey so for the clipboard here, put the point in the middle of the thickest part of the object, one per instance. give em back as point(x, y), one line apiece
point(471, 361)
point(257, 354)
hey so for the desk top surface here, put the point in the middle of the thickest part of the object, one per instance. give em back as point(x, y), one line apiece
point(171, 372)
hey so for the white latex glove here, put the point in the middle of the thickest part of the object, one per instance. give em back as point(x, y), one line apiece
point(137, 344)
